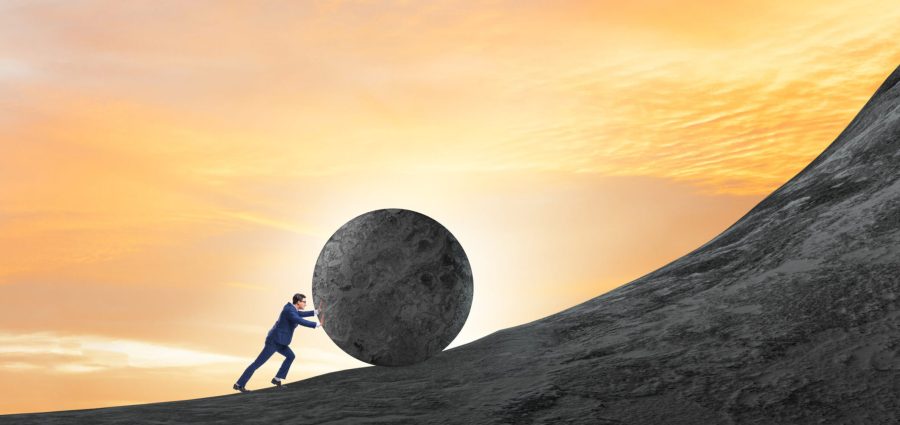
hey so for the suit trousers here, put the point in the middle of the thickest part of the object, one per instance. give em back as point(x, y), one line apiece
point(270, 348)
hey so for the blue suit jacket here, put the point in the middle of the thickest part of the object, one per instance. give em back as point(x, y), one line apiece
point(284, 327)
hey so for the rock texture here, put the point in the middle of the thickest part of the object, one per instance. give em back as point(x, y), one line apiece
point(394, 287)
point(790, 316)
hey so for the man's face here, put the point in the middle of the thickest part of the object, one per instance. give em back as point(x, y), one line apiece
point(301, 304)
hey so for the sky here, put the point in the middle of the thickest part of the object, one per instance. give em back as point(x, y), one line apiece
point(169, 171)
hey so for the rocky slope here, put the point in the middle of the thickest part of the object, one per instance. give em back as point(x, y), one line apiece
point(790, 316)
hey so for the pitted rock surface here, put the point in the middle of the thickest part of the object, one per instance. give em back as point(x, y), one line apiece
point(394, 287)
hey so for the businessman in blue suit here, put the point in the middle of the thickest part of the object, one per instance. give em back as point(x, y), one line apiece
point(278, 339)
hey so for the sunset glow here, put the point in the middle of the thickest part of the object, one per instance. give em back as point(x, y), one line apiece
point(170, 170)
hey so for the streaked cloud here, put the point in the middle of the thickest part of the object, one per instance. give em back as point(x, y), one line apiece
point(89, 353)
point(12, 69)
point(242, 285)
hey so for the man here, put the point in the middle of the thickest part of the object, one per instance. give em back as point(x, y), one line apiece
point(278, 339)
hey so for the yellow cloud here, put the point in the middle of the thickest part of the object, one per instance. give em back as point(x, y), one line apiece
point(247, 286)
point(89, 353)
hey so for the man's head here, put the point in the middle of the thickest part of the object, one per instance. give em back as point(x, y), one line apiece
point(299, 301)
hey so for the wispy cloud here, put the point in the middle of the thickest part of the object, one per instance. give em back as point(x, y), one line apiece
point(51, 352)
point(250, 286)
point(261, 220)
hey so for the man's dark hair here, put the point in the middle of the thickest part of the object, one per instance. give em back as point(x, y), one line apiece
point(298, 297)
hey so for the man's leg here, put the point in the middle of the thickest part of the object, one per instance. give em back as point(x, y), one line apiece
point(267, 352)
point(285, 351)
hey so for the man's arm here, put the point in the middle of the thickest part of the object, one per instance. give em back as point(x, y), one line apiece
point(307, 313)
point(297, 317)
point(308, 323)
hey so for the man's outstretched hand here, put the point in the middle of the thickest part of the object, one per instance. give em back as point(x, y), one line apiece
point(318, 313)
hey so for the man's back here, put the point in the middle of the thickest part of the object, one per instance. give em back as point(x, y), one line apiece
point(282, 331)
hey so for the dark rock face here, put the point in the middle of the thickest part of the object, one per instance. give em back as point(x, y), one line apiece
point(790, 316)
point(394, 287)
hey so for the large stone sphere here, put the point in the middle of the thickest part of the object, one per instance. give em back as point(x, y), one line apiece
point(393, 287)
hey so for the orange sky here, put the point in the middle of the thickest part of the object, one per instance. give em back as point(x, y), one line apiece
point(169, 170)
